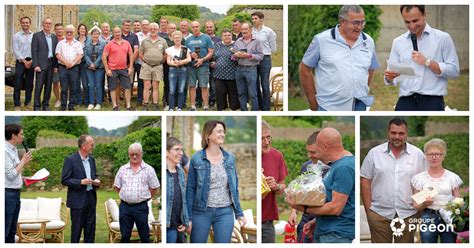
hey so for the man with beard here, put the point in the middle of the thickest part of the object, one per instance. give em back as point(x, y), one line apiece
point(343, 59)
point(385, 183)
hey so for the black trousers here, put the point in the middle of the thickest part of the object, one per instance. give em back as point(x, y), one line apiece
point(44, 79)
point(419, 102)
point(23, 79)
point(84, 218)
point(226, 92)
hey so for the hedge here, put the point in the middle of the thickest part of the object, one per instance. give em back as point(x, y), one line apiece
point(55, 134)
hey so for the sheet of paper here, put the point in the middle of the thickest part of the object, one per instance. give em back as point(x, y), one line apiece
point(421, 196)
point(402, 68)
point(43, 173)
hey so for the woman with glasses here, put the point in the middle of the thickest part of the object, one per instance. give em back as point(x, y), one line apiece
point(212, 191)
point(442, 180)
point(176, 208)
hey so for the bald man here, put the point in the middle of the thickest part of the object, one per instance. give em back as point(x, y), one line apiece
point(336, 218)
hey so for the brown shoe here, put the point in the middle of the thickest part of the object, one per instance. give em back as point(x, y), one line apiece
point(28, 107)
point(17, 108)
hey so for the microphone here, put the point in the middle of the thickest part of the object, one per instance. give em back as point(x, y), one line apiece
point(25, 146)
point(413, 41)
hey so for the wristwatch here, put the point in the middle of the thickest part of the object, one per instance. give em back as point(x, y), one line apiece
point(428, 62)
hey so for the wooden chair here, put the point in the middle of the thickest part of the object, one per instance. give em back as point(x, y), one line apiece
point(276, 83)
point(249, 234)
point(236, 236)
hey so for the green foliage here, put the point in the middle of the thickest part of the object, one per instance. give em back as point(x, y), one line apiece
point(457, 156)
point(190, 12)
point(207, 14)
point(416, 125)
point(54, 134)
point(297, 121)
point(118, 132)
point(239, 8)
point(74, 125)
point(142, 122)
point(309, 20)
point(240, 129)
point(227, 21)
point(51, 158)
point(451, 119)
point(95, 15)
point(118, 13)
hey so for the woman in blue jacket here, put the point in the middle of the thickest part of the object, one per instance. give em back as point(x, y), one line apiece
point(176, 211)
point(212, 189)
point(93, 49)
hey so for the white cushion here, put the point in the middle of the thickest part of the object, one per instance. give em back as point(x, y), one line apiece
point(248, 214)
point(113, 209)
point(55, 224)
point(29, 209)
point(49, 208)
point(364, 225)
point(151, 217)
point(116, 226)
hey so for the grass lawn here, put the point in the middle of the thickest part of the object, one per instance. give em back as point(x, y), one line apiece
point(386, 96)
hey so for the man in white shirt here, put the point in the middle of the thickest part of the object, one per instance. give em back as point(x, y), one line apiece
point(23, 72)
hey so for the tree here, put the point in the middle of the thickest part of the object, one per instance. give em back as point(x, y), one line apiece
point(227, 21)
point(96, 15)
point(142, 122)
point(75, 125)
point(239, 8)
point(190, 12)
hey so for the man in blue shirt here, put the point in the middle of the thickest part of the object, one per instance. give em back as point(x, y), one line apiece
point(336, 218)
point(434, 62)
point(343, 59)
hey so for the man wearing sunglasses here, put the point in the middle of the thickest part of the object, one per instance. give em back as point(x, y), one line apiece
point(343, 59)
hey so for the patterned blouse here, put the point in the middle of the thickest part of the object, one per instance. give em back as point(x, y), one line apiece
point(225, 69)
point(219, 194)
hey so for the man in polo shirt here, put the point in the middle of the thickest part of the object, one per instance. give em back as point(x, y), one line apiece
point(435, 61)
point(136, 182)
point(343, 59)
point(267, 38)
point(202, 50)
point(69, 54)
point(115, 57)
point(152, 54)
point(43, 46)
point(385, 183)
point(236, 29)
point(135, 43)
point(335, 219)
point(13, 178)
point(23, 71)
point(249, 53)
point(142, 35)
point(184, 28)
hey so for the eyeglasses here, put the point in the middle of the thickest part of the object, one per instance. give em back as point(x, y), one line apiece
point(134, 154)
point(356, 23)
point(268, 138)
point(434, 155)
point(177, 149)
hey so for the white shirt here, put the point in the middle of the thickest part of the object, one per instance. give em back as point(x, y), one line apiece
point(12, 177)
point(22, 45)
point(391, 179)
point(69, 51)
point(435, 45)
point(444, 185)
point(267, 37)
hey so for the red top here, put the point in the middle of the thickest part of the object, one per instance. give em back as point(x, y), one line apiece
point(117, 54)
point(273, 164)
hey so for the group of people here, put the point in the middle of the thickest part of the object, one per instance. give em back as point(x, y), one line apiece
point(230, 71)
point(343, 61)
point(203, 192)
point(334, 221)
point(394, 171)
point(136, 183)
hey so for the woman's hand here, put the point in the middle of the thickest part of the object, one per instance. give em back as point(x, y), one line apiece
point(190, 227)
point(181, 228)
point(428, 201)
point(242, 221)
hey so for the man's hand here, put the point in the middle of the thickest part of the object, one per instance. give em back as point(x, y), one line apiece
point(28, 64)
point(418, 57)
point(96, 182)
point(199, 62)
point(391, 75)
point(108, 72)
point(37, 69)
point(86, 181)
point(293, 218)
point(181, 228)
point(26, 158)
point(308, 228)
point(130, 70)
point(190, 227)
point(272, 183)
point(194, 55)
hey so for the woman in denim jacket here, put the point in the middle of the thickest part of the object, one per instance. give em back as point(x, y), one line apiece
point(93, 49)
point(176, 210)
point(212, 189)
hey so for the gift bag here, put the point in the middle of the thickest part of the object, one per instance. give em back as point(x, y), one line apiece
point(307, 189)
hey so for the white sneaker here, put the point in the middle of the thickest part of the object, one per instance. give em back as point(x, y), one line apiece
point(97, 107)
point(90, 107)
point(57, 104)
point(166, 108)
point(179, 109)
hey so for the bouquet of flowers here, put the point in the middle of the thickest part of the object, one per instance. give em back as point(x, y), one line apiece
point(307, 189)
point(457, 213)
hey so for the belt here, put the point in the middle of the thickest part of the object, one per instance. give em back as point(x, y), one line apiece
point(133, 204)
point(432, 211)
point(247, 66)
point(12, 190)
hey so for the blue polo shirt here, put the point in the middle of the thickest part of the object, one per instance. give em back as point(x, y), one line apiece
point(203, 41)
point(339, 178)
point(342, 72)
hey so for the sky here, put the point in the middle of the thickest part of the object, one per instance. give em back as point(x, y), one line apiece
point(221, 9)
point(110, 122)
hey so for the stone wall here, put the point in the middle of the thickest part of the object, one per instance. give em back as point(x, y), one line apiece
point(246, 164)
point(301, 134)
point(453, 19)
point(52, 142)
point(437, 128)
point(274, 20)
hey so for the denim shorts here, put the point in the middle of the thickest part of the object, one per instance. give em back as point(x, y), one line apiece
point(198, 76)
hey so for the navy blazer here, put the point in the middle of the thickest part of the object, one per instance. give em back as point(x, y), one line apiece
point(40, 50)
point(73, 173)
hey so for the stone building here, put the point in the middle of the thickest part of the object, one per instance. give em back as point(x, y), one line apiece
point(66, 14)
point(274, 20)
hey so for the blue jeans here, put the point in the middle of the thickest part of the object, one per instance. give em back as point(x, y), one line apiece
point(130, 214)
point(263, 84)
point(177, 81)
point(419, 102)
point(432, 217)
point(85, 88)
point(68, 79)
point(95, 79)
point(222, 221)
point(12, 211)
point(332, 238)
point(23, 77)
point(246, 78)
point(172, 235)
point(358, 106)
